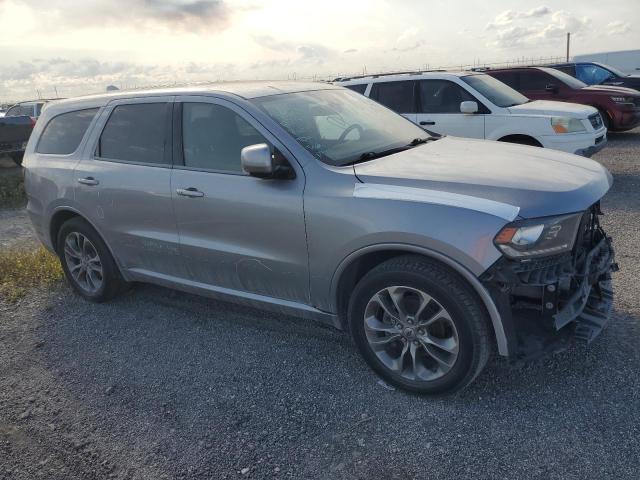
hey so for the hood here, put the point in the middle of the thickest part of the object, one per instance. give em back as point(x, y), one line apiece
point(611, 90)
point(560, 109)
point(538, 181)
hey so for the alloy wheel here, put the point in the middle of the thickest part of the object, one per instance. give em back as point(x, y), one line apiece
point(411, 333)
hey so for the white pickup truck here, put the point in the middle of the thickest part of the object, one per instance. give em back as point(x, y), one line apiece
point(475, 105)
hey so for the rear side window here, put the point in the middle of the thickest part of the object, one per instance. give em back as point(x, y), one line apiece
point(398, 96)
point(135, 133)
point(213, 137)
point(63, 133)
point(510, 78)
point(360, 88)
point(534, 80)
point(442, 96)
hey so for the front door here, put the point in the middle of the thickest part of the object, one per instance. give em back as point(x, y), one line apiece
point(236, 231)
point(123, 185)
point(439, 109)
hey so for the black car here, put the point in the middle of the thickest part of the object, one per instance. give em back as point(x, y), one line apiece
point(593, 73)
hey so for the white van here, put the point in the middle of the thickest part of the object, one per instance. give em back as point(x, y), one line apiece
point(475, 105)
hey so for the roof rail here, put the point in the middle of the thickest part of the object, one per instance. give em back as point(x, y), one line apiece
point(385, 74)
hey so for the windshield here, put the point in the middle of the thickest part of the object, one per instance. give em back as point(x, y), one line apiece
point(565, 78)
point(495, 91)
point(340, 126)
point(615, 71)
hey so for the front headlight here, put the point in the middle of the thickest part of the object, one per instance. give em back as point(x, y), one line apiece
point(567, 125)
point(621, 99)
point(539, 236)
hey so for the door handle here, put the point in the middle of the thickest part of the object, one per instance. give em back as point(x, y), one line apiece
point(88, 181)
point(430, 122)
point(190, 192)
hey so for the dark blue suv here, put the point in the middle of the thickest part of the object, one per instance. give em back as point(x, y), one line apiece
point(593, 73)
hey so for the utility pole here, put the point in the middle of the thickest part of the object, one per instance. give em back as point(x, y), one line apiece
point(568, 43)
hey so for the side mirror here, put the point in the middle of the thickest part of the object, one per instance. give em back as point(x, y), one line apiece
point(552, 88)
point(469, 107)
point(258, 161)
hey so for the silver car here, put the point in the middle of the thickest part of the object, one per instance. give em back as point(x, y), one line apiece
point(312, 200)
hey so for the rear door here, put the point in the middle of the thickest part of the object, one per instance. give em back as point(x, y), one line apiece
point(399, 96)
point(439, 109)
point(237, 232)
point(123, 185)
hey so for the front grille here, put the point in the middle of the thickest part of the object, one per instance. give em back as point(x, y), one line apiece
point(596, 121)
point(599, 139)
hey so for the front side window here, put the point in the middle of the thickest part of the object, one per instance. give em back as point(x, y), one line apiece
point(495, 91)
point(135, 133)
point(398, 96)
point(442, 96)
point(213, 137)
point(556, 76)
point(339, 126)
point(592, 74)
point(63, 133)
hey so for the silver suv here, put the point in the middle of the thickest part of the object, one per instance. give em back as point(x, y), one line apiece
point(312, 200)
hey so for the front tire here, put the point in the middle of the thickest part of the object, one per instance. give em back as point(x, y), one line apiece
point(87, 262)
point(420, 326)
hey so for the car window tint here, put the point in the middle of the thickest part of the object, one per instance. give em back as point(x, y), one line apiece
point(360, 88)
point(568, 69)
point(63, 133)
point(398, 96)
point(535, 80)
point(213, 137)
point(592, 74)
point(135, 133)
point(510, 78)
point(20, 110)
point(442, 96)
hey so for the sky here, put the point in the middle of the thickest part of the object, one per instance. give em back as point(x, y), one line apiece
point(64, 48)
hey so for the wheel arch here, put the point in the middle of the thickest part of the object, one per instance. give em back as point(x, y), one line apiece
point(358, 263)
point(520, 139)
point(65, 213)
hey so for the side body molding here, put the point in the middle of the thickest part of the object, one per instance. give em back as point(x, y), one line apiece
point(496, 319)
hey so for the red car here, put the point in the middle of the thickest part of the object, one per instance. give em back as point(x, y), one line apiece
point(619, 106)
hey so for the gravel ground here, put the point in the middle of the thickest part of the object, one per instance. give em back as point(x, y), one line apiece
point(159, 384)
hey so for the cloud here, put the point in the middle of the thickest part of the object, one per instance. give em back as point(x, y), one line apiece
point(72, 77)
point(618, 28)
point(299, 53)
point(351, 50)
point(540, 25)
point(509, 16)
point(182, 15)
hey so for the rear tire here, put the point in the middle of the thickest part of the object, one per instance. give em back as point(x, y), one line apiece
point(420, 326)
point(87, 262)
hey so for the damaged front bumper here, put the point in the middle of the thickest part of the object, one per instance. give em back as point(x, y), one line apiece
point(546, 302)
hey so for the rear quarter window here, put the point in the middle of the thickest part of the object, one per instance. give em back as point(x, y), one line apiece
point(63, 134)
point(360, 88)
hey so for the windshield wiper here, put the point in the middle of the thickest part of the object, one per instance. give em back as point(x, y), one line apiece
point(383, 153)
